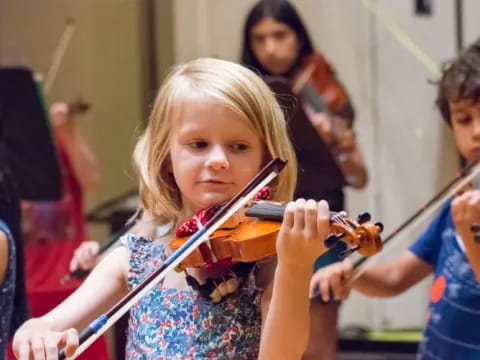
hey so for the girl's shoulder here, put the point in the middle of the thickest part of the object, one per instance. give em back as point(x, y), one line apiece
point(146, 255)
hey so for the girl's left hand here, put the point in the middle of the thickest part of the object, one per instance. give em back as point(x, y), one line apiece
point(305, 226)
point(465, 213)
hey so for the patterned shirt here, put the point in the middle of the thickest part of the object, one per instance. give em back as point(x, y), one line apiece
point(174, 324)
point(452, 331)
point(7, 292)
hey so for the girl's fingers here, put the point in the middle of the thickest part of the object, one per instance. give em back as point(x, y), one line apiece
point(51, 347)
point(38, 348)
point(68, 339)
point(288, 216)
point(71, 337)
point(311, 219)
point(21, 349)
point(299, 215)
point(323, 219)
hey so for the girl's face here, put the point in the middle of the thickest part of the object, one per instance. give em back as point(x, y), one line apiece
point(275, 45)
point(214, 153)
point(465, 116)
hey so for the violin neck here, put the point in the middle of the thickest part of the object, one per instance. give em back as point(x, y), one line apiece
point(271, 211)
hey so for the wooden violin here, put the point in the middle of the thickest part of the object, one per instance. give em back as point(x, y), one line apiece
point(251, 236)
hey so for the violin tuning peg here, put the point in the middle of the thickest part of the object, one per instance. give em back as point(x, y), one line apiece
point(363, 218)
point(332, 239)
point(380, 226)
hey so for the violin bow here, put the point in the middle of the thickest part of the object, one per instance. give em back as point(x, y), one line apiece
point(59, 54)
point(88, 335)
point(467, 174)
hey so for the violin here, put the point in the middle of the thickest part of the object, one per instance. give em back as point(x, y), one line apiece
point(251, 236)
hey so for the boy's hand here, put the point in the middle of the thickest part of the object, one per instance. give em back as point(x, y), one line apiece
point(85, 256)
point(332, 279)
point(34, 340)
point(465, 213)
point(305, 226)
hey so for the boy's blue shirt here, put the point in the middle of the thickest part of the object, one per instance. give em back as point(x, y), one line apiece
point(453, 327)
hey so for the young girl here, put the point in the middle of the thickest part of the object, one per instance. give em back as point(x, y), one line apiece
point(213, 126)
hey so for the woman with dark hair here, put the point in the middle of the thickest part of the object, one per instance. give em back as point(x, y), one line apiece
point(277, 45)
point(13, 300)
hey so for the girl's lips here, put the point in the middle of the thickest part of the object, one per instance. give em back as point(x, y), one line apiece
point(213, 181)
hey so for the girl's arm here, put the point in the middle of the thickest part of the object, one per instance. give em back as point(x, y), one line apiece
point(3, 255)
point(285, 302)
point(41, 337)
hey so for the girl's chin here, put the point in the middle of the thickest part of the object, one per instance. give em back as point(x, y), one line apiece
point(209, 200)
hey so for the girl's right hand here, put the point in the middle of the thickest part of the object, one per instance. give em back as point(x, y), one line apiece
point(85, 257)
point(332, 280)
point(35, 341)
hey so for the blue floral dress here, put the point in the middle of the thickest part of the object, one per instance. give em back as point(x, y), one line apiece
point(7, 292)
point(175, 324)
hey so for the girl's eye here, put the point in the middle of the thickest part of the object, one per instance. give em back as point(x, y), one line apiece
point(240, 147)
point(199, 144)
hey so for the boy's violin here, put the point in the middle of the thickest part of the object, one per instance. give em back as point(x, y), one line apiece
point(251, 236)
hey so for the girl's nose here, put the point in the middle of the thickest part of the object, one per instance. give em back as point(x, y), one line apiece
point(217, 158)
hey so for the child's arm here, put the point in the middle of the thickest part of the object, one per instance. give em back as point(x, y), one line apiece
point(42, 337)
point(465, 213)
point(285, 303)
point(379, 280)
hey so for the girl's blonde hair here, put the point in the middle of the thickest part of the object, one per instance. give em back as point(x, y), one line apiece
point(221, 82)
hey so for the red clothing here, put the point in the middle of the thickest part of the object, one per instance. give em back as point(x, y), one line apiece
point(52, 231)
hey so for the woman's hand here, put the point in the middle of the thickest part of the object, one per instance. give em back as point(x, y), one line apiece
point(61, 118)
point(332, 280)
point(305, 226)
point(35, 340)
point(85, 257)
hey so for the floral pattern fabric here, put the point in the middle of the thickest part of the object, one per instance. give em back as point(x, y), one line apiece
point(175, 324)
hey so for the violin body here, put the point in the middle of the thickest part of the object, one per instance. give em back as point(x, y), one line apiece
point(253, 237)
point(250, 240)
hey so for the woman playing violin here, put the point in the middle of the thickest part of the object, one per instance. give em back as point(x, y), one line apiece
point(276, 42)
